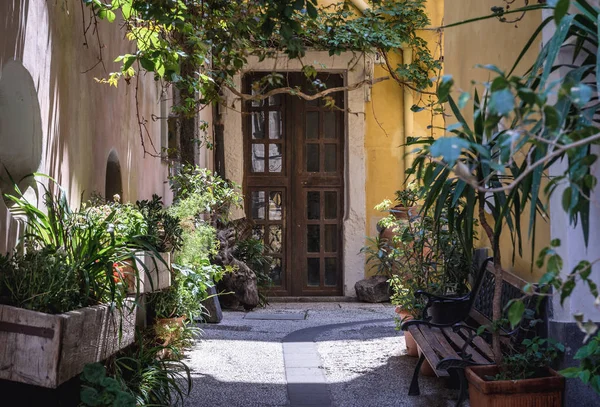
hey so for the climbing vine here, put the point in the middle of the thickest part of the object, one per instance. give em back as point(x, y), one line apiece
point(199, 45)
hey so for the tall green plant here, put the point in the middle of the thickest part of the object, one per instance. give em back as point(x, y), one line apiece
point(522, 127)
point(87, 242)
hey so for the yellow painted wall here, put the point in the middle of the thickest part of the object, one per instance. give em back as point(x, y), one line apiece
point(385, 135)
point(491, 42)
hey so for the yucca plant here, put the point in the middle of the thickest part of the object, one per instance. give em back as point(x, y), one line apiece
point(522, 126)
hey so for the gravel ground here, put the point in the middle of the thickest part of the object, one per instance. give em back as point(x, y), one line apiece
point(368, 366)
point(239, 362)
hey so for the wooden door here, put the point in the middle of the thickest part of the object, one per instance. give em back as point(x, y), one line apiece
point(294, 186)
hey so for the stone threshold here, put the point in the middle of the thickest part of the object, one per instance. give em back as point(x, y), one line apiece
point(312, 299)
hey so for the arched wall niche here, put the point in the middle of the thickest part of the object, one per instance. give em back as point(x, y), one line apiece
point(114, 181)
point(21, 135)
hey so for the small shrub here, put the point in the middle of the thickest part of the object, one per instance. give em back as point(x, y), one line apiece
point(100, 390)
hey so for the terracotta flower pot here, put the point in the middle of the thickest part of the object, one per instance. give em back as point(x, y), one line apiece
point(426, 369)
point(167, 328)
point(411, 346)
point(544, 391)
point(168, 332)
point(405, 212)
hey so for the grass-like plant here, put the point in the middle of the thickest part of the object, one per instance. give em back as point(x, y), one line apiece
point(87, 243)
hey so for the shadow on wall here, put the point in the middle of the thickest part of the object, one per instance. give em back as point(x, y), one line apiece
point(13, 23)
point(21, 134)
point(20, 127)
point(20, 142)
point(13, 17)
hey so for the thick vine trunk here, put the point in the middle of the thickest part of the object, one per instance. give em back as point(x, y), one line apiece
point(497, 303)
point(187, 125)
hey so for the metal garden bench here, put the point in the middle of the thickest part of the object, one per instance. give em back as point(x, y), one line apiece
point(451, 347)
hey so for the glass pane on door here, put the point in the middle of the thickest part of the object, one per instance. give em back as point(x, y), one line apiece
point(258, 158)
point(258, 125)
point(313, 272)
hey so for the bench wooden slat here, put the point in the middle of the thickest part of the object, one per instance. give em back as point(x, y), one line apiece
point(427, 350)
point(484, 347)
point(460, 343)
point(445, 349)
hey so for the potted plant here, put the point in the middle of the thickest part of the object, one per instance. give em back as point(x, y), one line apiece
point(402, 209)
point(428, 257)
point(523, 378)
point(61, 304)
point(172, 308)
point(406, 201)
point(164, 233)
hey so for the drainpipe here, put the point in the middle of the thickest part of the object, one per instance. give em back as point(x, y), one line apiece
point(360, 4)
point(409, 124)
point(408, 114)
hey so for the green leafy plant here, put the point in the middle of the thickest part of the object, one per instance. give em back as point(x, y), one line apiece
point(188, 290)
point(153, 373)
point(407, 198)
point(588, 370)
point(164, 230)
point(531, 360)
point(127, 222)
point(199, 191)
point(199, 244)
point(87, 241)
point(403, 297)
point(382, 256)
point(100, 390)
point(40, 280)
point(251, 251)
point(168, 44)
point(543, 119)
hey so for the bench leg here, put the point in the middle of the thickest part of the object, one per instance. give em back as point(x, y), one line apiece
point(462, 395)
point(414, 384)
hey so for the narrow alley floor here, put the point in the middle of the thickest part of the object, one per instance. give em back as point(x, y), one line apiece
point(308, 354)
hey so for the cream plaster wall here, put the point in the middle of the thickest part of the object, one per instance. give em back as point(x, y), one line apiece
point(81, 120)
point(355, 204)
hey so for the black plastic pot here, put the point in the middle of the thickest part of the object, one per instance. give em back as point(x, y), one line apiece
point(450, 312)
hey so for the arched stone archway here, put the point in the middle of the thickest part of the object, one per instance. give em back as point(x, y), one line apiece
point(114, 181)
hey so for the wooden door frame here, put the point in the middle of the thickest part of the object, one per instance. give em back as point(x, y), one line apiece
point(252, 182)
point(323, 182)
point(356, 69)
point(294, 112)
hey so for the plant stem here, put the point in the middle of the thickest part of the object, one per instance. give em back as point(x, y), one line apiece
point(497, 303)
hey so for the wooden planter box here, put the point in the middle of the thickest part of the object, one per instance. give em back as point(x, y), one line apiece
point(47, 350)
point(546, 391)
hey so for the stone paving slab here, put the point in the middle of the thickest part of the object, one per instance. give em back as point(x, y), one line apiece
point(284, 316)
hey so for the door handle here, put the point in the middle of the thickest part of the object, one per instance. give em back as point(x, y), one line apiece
point(304, 182)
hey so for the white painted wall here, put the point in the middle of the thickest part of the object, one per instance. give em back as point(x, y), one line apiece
point(573, 248)
point(81, 120)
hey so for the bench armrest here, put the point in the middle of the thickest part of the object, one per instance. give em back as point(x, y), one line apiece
point(412, 322)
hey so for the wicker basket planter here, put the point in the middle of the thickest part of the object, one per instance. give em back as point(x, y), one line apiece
point(47, 350)
point(545, 391)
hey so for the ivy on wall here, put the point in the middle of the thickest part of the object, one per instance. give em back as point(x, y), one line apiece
point(199, 45)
